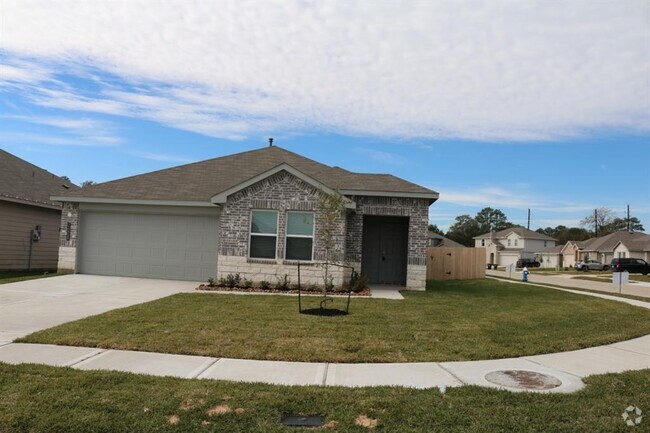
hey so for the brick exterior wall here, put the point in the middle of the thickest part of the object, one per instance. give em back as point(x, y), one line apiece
point(283, 192)
point(68, 247)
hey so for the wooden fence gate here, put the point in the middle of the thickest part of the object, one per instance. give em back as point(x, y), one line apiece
point(446, 263)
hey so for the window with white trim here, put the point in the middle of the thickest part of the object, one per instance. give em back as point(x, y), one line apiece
point(263, 234)
point(300, 236)
point(509, 242)
point(516, 241)
point(482, 242)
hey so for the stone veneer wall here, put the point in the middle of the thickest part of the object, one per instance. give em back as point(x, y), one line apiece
point(282, 192)
point(418, 212)
point(68, 248)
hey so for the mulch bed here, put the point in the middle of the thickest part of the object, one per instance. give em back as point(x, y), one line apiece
point(207, 287)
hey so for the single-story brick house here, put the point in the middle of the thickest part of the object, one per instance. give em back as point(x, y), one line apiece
point(29, 233)
point(254, 213)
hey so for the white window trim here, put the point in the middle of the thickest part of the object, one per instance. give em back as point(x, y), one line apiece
point(287, 235)
point(251, 234)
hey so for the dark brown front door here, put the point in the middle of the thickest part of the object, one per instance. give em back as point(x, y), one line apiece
point(385, 249)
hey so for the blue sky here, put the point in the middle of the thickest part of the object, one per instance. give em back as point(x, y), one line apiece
point(499, 104)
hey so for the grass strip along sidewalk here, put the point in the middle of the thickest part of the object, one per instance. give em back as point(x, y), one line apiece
point(40, 399)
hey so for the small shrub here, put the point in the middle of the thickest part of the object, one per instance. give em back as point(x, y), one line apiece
point(211, 282)
point(222, 281)
point(283, 283)
point(233, 280)
point(265, 285)
point(246, 283)
point(358, 282)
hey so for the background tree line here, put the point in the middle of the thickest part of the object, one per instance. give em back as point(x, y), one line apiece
point(466, 227)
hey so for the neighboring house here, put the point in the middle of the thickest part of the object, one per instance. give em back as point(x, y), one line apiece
point(436, 240)
point(29, 235)
point(635, 248)
point(560, 256)
point(507, 246)
point(617, 244)
point(254, 213)
point(603, 249)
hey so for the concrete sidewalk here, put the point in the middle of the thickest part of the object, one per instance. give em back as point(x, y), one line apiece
point(567, 367)
point(634, 289)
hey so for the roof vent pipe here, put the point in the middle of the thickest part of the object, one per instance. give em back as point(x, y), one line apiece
point(270, 141)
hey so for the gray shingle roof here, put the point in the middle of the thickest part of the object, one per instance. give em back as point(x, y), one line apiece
point(24, 182)
point(443, 241)
point(553, 250)
point(200, 181)
point(521, 231)
point(608, 242)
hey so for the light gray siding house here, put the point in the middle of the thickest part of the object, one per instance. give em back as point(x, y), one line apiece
point(254, 213)
point(29, 233)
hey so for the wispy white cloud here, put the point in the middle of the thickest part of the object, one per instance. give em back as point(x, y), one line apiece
point(499, 71)
point(57, 140)
point(159, 157)
point(381, 156)
point(70, 131)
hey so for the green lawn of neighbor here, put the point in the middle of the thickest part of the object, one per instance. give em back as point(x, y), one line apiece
point(40, 399)
point(455, 320)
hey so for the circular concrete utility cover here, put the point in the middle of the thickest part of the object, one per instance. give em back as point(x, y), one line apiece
point(522, 379)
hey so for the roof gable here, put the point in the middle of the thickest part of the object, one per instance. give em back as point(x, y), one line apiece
point(222, 197)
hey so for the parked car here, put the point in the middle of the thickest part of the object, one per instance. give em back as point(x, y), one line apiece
point(528, 263)
point(591, 265)
point(633, 266)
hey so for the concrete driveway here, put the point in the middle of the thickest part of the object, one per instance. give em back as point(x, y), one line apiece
point(30, 306)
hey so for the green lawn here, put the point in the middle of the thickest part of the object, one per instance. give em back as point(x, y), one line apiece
point(15, 276)
point(459, 320)
point(40, 399)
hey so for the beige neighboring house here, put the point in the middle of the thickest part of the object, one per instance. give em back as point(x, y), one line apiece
point(436, 240)
point(551, 257)
point(638, 248)
point(616, 244)
point(560, 256)
point(507, 246)
point(604, 249)
point(29, 233)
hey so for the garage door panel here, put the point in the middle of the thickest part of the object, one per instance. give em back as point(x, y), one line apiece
point(144, 245)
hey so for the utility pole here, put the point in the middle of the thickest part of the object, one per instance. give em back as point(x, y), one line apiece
point(595, 222)
point(528, 226)
point(628, 218)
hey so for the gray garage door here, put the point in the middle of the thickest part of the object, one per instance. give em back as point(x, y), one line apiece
point(179, 247)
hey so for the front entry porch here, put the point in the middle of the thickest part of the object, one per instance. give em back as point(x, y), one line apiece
point(385, 249)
